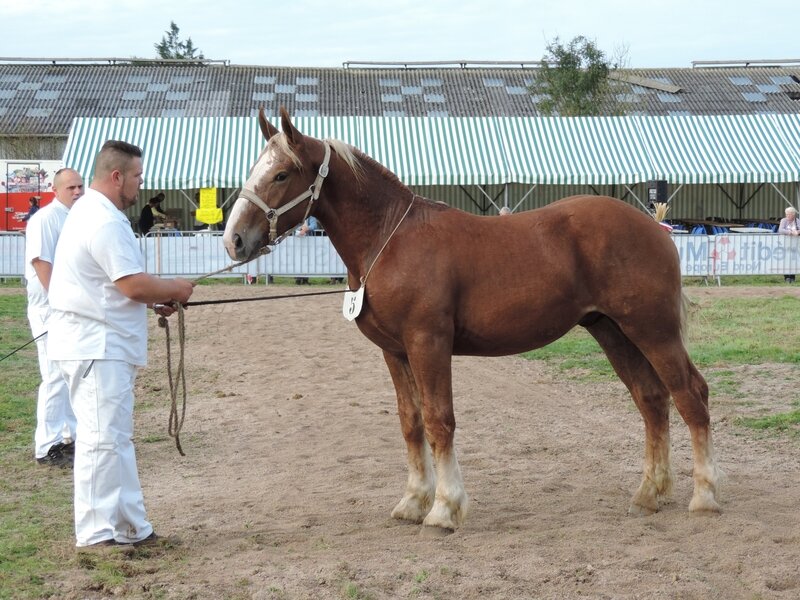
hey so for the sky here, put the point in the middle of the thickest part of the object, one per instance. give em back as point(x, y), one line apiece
point(316, 33)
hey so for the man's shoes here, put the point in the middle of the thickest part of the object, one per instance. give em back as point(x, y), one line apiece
point(151, 540)
point(104, 547)
point(56, 457)
point(68, 449)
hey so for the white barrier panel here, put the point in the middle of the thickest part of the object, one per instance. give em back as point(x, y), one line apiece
point(694, 252)
point(197, 253)
point(311, 255)
point(187, 254)
point(12, 254)
point(755, 254)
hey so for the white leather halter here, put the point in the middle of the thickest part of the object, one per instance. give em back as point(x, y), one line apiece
point(272, 214)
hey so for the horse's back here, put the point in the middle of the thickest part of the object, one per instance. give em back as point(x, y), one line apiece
point(520, 281)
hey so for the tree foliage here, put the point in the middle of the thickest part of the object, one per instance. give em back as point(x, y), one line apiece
point(172, 47)
point(574, 80)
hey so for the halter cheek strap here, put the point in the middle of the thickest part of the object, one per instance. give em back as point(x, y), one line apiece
point(312, 193)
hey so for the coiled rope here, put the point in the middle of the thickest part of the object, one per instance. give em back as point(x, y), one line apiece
point(177, 377)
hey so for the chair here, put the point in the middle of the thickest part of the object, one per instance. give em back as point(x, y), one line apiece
point(699, 230)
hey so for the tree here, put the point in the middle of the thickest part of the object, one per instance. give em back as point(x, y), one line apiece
point(574, 80)
point(171, 46)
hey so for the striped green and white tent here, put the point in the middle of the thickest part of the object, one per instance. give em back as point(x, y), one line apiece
point(179, 153)
point(436, 151)
point(789, 126)
point(568, 151)
point(238, 143)
point(189, 153)
point(718, 149)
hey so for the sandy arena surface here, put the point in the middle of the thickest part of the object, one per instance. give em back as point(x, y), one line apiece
point(295, 461)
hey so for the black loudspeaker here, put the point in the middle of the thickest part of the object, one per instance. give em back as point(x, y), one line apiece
point(657, 191)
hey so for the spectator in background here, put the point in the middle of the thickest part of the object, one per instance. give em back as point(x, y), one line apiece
point(309, 227)
point(54, 439)
point(151, 212)
point(97, 335)
point(789, 226)
point(33, 207)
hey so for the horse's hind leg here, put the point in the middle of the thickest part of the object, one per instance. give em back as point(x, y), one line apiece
point(690, 394)
point(652, 400)
point(418, 497)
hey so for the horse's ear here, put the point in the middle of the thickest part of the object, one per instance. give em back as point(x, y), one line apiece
point(267, 128)
point(295, 137)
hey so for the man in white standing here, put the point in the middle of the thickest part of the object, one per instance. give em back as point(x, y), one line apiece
point(55, 422)
point(99, 295)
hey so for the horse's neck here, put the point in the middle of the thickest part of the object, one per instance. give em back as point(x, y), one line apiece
point(359, 217)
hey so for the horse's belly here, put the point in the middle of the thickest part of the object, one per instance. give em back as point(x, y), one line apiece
point(502, 340)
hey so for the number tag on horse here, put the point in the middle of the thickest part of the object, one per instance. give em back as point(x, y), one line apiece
point(353, 301)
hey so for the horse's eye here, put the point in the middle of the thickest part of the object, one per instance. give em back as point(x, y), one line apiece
point(281, 176)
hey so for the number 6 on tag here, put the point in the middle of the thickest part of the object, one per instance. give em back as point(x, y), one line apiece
point(353, 301)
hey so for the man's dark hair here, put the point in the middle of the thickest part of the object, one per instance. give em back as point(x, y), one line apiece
point(115, 156)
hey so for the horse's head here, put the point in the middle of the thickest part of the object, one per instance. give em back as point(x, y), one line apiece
point(280, 190)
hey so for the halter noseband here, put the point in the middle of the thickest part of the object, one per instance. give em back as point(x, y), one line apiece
point(312, 193)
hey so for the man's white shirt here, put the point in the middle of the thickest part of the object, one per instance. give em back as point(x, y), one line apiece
point(41, 236)
point(91, 318)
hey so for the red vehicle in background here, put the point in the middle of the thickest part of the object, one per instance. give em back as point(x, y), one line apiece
point(19, 181)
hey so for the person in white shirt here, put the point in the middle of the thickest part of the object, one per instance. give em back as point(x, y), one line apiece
point(789, 226)
point(55, 422)
point(99, 293)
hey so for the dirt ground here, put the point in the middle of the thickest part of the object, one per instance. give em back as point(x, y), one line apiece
point(295, 461)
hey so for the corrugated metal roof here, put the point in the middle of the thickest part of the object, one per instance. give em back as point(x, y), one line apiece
point(42, 99)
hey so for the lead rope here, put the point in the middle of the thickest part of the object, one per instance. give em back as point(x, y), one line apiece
point(178, 380)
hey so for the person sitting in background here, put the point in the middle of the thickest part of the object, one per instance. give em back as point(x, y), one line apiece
point(789, 226)
point(309, 227)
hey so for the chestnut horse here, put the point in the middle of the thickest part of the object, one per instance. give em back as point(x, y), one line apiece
point(438, 281)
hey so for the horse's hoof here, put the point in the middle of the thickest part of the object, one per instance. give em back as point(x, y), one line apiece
point(637, 510)
point(410, 509)
point(707, 506)
point(430, 532)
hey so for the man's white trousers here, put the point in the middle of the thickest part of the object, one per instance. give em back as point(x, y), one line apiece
point(55, 421)
point(108, 496)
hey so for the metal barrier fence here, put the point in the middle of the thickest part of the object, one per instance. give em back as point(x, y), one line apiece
point(200, 252)
point(190, 254)
point(12, 254)
point(738, 254)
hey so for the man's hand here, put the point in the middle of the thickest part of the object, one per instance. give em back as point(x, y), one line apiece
point(164, 310)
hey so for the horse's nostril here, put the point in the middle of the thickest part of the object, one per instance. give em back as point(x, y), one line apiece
point(237, 241)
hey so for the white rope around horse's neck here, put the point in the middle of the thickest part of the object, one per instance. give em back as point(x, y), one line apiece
point(391, 235)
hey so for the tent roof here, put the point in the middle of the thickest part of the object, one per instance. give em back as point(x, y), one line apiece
point(722, 149)
point(188, 153)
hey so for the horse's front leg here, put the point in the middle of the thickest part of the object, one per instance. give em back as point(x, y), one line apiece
point(418, 498)
point(431, 366)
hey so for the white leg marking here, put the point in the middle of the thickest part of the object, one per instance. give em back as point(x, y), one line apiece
point(420, 487)
point(450, 503)
point(707, 478)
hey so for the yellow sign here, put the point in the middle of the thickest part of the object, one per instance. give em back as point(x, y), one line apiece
point(208, 212)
